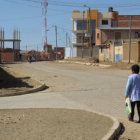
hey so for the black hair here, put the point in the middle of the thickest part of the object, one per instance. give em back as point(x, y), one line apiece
point(135, 68)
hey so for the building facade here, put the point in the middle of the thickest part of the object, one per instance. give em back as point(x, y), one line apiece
point(106, 35)
point(83, 36)
point(10, 54)
point(119, 41)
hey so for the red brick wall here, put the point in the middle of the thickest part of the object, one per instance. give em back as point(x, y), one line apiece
point(123, 21)
point(7, 56)
point(98, 37)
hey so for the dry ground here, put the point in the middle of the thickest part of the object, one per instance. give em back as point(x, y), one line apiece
point(131, 130)
point(52, 124)
point(113, 65)
point(11, 82)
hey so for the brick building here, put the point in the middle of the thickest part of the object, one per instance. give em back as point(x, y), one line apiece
point(114, 40)
point(8, 54)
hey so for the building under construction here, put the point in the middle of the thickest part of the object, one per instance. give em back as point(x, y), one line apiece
point(8, 54)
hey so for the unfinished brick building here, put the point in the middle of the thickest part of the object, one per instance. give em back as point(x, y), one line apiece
point(9, 54)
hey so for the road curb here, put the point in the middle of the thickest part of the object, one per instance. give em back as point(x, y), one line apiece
point(114, 130)
point(43, 86)
point(85, 63)
point(33, 90)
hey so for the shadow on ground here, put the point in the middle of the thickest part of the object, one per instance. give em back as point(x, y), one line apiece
point(9, 81)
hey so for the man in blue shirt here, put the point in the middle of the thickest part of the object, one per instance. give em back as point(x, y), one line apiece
point(133, 90)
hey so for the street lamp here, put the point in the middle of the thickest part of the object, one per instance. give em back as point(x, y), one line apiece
point(89, 28)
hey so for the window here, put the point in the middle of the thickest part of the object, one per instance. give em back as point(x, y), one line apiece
point(80, 38)
point(137, 34)
point(81, 25)
point(98, 35)
point(104, 22)
point(114, 23)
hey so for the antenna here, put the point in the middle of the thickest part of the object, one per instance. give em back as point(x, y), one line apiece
point(44, 28)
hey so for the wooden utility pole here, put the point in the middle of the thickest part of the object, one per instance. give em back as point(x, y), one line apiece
point(83, 35)
point(130, 36)
point(3, 39)
point(90, 31)
point(56, 40)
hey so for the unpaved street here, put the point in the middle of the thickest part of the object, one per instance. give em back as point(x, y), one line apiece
point(98, 88)
point(74, 86)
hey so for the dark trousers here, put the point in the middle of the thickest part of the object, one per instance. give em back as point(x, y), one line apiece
point(133, 109)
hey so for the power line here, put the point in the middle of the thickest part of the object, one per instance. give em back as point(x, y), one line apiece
point(99, 5)
point(19, 3)
point(78, 5)
point(21, 18)
point(34, 1)
point(30, 18)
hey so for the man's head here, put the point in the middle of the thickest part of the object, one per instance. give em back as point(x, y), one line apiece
point(135, 69)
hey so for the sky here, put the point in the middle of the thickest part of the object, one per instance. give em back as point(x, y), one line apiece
point(26, 16)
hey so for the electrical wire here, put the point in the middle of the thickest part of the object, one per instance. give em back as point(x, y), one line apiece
point(21, 18)
point(19, 3)
point(78, 5)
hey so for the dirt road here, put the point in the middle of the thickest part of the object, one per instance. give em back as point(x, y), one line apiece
point(74, 86)
point(100, 89)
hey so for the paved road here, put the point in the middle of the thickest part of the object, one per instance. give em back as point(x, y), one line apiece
point(73, 86)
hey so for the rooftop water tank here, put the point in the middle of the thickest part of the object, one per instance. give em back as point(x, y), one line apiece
point(110, 9)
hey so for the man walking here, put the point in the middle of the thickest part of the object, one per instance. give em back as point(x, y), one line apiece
point(133, 90)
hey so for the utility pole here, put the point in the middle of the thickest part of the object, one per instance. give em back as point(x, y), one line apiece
point(56, 40)
point(70, 48)
point(3, 38)
point(69, 42)
point(36, 53)
point(130, 36)
point(66, 39)
point(90, 32)
point(37, 48)
point(26, 47)
point(83, 35)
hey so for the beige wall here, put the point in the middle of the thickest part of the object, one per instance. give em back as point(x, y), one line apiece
point(135, 52)
point(104, 54)
point(111, 52)
point(78, 16)
point(107, 54)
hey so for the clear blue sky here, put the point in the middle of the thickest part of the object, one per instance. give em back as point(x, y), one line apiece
point(26, 15)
